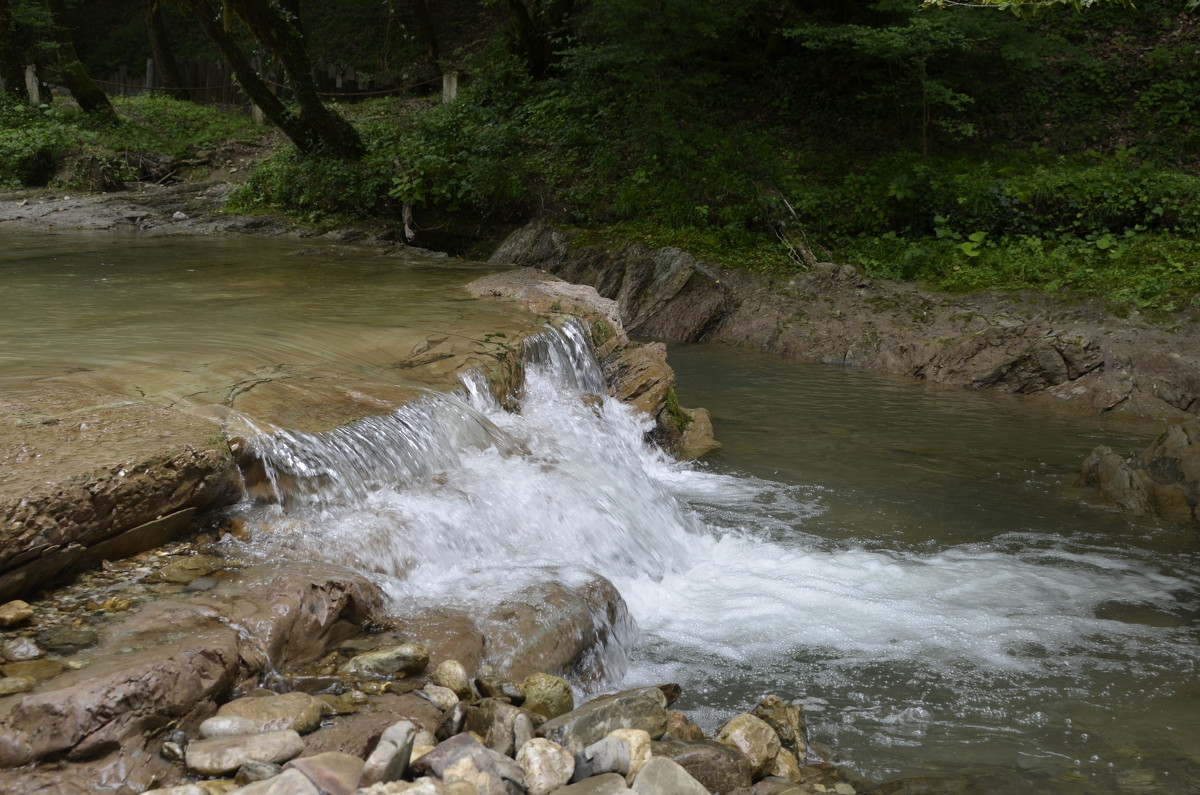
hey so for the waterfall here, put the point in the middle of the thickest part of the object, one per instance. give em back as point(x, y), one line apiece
point(454, 499)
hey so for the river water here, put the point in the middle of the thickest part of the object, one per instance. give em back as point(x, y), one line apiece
point(913, 563)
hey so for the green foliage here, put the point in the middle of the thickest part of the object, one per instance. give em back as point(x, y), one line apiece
point(1149, 271)
point(61, 145)
point(165, 126)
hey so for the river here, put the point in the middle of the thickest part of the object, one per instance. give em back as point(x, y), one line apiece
point(913, 563)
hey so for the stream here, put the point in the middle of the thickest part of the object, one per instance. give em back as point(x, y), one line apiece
point(913, 563)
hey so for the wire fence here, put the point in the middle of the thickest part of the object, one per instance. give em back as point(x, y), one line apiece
point(211, 82)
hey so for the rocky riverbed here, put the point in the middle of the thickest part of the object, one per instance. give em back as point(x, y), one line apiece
point(111, 682)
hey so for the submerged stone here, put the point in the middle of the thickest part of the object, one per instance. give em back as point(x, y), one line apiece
point(36, 669)
point(66, 640)
point(16, 684)
point(20, 650)
point(184, 570)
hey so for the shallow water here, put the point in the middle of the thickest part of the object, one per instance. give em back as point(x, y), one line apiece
point(950, 601)
point(195, 320)
point(912, 562)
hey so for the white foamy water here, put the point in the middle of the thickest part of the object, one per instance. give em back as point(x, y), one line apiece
point(942, 650)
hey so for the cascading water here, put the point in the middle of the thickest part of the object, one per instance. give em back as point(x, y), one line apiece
point(993, 656)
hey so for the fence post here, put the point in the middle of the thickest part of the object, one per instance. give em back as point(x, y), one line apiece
point(151, 77)
point(33, 86)
point(449, 86)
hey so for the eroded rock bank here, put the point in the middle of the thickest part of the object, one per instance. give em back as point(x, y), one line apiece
point(1163, 479)
point(1025, 343)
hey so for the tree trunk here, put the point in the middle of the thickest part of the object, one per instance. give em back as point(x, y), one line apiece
point(12, 74)
point(277, 27)
point(83, 88)
point(428, 35)
point(160, 45)
point(210, 19)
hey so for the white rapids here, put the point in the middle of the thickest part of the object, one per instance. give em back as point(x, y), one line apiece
point(967, 646)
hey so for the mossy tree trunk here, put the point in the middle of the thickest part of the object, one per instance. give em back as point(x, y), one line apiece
point(210, 18)
point(89, 95)
point(276, 25)
point(164, 58)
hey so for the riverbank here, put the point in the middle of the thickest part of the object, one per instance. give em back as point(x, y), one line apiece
point(1072, 349)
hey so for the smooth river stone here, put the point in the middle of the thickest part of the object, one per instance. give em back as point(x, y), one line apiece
point(549, 696)
point(452, 675)
point(224, 755)
point(14, 612)
point(228, 726)
point(645, 708)
point(661, 776)
point(547, 766)
point(297, 711)
point(21, 650)
point(754, 737)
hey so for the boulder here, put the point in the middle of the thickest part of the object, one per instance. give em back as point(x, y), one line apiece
point(607, 784)
point(1164, 479)
point(441, 697)
point(555, 628)
point(230, 726)
point(14, 612)
point(680, 727)
point(623, 751)
point(289, 782)
point(495, 721)
point(10, 685)
point(360, 732)
point(20, 649)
